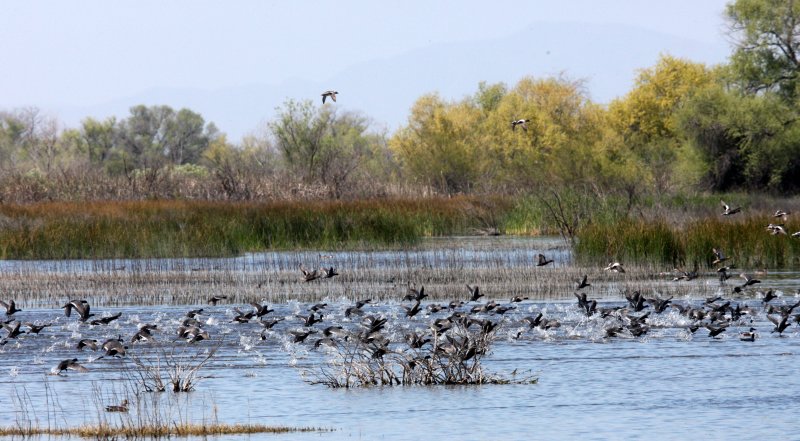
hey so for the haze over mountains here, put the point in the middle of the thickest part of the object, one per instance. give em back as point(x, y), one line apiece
point(607, 57)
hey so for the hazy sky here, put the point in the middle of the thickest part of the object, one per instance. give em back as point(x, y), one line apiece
point(60, 54)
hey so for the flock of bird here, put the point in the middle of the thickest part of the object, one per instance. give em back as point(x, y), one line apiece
point(416, 322)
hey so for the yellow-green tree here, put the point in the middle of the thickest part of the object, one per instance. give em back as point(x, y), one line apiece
point(645, 118)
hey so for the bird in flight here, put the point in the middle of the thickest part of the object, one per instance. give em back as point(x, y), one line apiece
point(329, 93)
point(520, 122)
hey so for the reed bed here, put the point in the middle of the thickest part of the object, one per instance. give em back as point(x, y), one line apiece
point(275, 278)
point(137, 229)
point(745, 241)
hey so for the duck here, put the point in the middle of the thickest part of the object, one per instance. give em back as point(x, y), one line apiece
point(583, 282)
point(727, 210)
point(215, 299)
point(719, 256)
point(474, 293)
point(10, 306)
point(543, 260)
point(71, 364)
point(114, 347)
point(82, 307)
point(520, 122)
point(121, 407)
point(329, 94)
point(615, 267)
point(749, 335)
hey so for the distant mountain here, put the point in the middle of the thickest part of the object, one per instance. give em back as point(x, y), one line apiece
point(607, 57)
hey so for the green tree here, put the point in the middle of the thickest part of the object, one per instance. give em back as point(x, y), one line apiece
point(767, 55)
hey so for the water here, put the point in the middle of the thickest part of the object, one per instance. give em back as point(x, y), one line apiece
point(667, 384)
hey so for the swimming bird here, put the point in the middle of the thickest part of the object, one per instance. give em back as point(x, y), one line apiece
point(216, 299)
point(71, 364)
point(615, 267)
point(10, 306)
point(583, 282)
point(520, 122)
point(727, 210)
point(329, 93)
point(121, 407)
point(474, 293)
point(748, 335)
point(543, 260)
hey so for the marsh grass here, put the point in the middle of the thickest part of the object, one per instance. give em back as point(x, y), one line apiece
point(148, 416)
point(195, 229)
point(745, 241)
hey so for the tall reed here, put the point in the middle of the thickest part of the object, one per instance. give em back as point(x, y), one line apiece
point(196, 229)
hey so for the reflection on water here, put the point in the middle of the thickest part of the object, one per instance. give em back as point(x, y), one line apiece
point(667, 384)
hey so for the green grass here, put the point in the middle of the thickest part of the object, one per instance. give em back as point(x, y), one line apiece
point(200, 229)
point(744, 240)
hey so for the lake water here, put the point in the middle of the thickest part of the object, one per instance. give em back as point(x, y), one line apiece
point(667, 384)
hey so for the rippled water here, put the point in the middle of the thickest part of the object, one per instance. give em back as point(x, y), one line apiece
point(668, 384)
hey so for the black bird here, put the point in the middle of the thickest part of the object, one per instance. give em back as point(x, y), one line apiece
point(261, 310)
point(13, 329)
point(715, 331)
point(780, 324)
point(194, 312)
point(106, 320)
point(300, 336)
point(87, 343)
point(35, 329)
point(719, 256)
point(80, 306)
point(533, 321)
point(71, 364)
point(317, 307)
point(582, 301)
point(415, 295)
point(411, 311)
point(216, 299)
point(309, 275)
point(243, 317)
point(543, 260)
point(268, 324)
point(474, 293)
point(11, 307)
point(310, 319)
point(748, 280)
point(583, 282)
point(329, 272)
point(768, 296)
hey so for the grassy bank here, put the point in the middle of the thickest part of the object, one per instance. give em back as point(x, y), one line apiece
point(744, 240)
point(112, 431)
point(195, 229)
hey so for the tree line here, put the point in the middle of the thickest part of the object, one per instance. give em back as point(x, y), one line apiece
point(684, 126)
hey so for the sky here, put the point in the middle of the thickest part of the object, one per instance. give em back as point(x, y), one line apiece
point(235, 62)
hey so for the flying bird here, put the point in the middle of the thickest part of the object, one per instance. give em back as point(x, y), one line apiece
point(727, 210)
point(329, 93)
point(520, 122)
